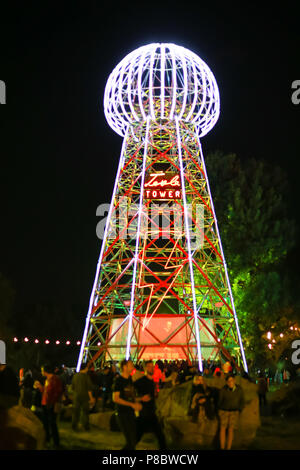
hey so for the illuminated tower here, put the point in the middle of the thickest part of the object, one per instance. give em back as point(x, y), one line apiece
point(161, 288)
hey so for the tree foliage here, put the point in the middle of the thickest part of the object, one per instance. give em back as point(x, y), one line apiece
point(251, 203)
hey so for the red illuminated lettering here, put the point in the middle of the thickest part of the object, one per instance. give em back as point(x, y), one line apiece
point(160, 186)
point(156, 181)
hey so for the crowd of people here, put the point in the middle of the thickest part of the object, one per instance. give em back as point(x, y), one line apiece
point(130, 390)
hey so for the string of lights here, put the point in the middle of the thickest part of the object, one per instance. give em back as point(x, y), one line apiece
point(46, 341)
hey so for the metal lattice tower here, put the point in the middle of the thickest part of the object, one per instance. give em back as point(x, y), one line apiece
point(161, 288)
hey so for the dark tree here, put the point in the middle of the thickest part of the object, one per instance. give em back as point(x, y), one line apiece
point(251, 203)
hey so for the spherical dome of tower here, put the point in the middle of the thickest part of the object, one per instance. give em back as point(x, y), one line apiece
point(161, 81)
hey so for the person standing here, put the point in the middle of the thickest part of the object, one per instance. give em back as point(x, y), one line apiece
point(158, 376)
point(230, 404)
point(82, 397)
point(26, 389)
point(286, 376)
point(262, 388)
point(36, 404)
point(126, 406)
point(106, 380)
point(227, 368)
point(147, 420)
point(9, 387)
point(52, 393)
point(202, 400)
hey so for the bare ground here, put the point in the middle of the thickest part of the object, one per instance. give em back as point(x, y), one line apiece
point(275, 433)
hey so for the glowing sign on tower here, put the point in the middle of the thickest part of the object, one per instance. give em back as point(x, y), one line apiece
point(162, 186)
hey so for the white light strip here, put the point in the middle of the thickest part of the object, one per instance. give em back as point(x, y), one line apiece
point(224, 261)
point(129, 91)
point(211, 102)
point(181, 53)
point(110, 104)
point(151, 72)
point(87, 321)
point(195, 92)
point(174, 86)
point(187, 234)
point(204, 93)
point(162, 81)
point(137, 242)
point(120, 99)
point(140, 89)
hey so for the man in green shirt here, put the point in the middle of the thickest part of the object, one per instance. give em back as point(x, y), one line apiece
point(82, 397)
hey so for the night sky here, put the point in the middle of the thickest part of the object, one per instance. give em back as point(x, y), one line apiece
point(59, 156)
